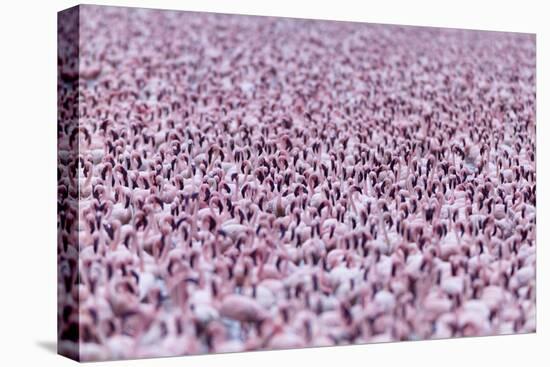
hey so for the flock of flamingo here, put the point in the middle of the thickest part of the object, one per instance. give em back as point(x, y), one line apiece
point(233, 183)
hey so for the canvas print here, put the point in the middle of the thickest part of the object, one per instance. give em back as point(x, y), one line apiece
point(231, 183)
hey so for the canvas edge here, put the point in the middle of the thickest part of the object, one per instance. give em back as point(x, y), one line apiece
point(68, 305)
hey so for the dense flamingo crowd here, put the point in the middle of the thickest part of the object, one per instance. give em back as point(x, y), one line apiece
point(232, 183)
